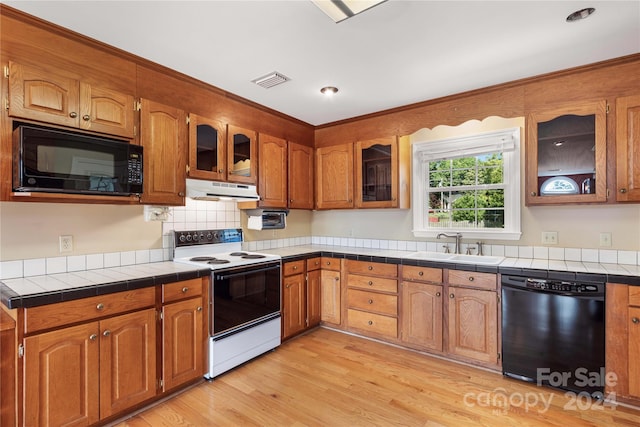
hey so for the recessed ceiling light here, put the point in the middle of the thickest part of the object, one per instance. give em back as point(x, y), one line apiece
point(329, 90)
point(580, 14)
point(339, 10)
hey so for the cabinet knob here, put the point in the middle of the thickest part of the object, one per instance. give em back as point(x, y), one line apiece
point(106, 333)
point(452, 296)
point(220, 170)
point(199, 309)
point(100, 306)
point(287, 287)
point(370, 322)
point(337, 278)
point(370, 267)
point(370, 283)
point(623, 190)
point(437, 294)
point(185, 290)
point(290, 200)
point(370, 301)
point(181, 194)
point(73, 114)
point(471, 278)
point(533, 193)
point(317, 263)
point(93, 337)
point(635, 320)
point(420, 273)
point(86, 117)
point(328, 262)
point(350, 200)
point(295, 267)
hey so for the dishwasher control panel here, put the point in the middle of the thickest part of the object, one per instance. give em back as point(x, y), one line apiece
point(561, 286)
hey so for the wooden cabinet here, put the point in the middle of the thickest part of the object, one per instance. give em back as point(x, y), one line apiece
point(8, 365)
point(372, 298)
point(627, 152)
point(272, 183)
point(313, 292)
point(163, 134)
point(301, 173)
point(334, 177)
point(242, 155)
point(184, 322)
point(422, 308)
point(45, 96)
point(207, 148)
point(473, 317)
point(376, 173)
point(566, 154)
point(300, 296)
point(330, 291)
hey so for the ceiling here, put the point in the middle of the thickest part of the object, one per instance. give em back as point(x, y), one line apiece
point(397, 53)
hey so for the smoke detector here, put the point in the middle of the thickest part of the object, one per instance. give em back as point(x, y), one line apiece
point(270, 80)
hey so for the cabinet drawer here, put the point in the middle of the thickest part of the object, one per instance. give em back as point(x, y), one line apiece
point(330, 263)
point(422, 274)
point(473, 280)
point(85, 309)
point(373, 323)
point(372, 268)
point(372, 283)
point(181, 290)
point(293, 267)
point(373, 302)
point(314, 263)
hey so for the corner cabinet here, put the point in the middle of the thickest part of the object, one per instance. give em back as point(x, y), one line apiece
point(566, 156)
point(272, 185)
point(163, 134)
point(627, 152)
point(301, 173)
point(334, 172)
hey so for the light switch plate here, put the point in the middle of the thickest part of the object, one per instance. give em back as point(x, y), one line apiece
point(605, 239)
point(549, 237)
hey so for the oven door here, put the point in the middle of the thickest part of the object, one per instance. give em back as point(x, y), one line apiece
point(244, 296)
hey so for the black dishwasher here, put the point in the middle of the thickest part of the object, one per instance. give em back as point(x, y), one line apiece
point(553, 333)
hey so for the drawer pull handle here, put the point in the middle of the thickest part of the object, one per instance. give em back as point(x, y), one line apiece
point(106, 333)
point(184, 290)
point(93, 337)
point(100, 306)
point(328, 262)
point(370, 322)
point(199, 309)
point(437, 294)
point(471, 279)
point(295, 267)
point(370, 267)
point(421, 273)
point(370, 283)
point(370, 301)
point(452, 296)
point(635, 320)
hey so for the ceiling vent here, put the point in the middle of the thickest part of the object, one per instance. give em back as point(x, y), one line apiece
point(271, 80)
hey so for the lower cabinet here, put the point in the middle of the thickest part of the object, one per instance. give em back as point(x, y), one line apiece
point(422, 315)
point(330, 292)
point(300, 296)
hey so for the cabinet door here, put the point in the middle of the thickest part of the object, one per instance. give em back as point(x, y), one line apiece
point(127, 361)
point(421, 316)
point(272, 155)
point(183, 340)
point(301, 176)
point(334, 171)
point(207, 152)
point(293, 305)
point(61, 377)
point(330, 297)
point(313, 298)
point(242, 155)
point(634, 352)
point(627, 152)
point(473, 324)
point(566, 155)
point(163, 134)
point(44, 96)
point(377, 173)
point(107, 111)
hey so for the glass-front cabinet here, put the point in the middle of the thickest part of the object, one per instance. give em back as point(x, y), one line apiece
point(566, 155)
point(377, 173)
point(242, 155)
point(207, 142)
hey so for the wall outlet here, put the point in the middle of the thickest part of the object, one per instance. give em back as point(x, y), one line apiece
point(605, 239)
point(549, 237)
point(66, 244)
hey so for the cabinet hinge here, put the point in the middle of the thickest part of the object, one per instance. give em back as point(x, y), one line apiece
point(188, 169)
point(607, 110)
point(21, 350)
point(160, 315)
point(188, 119)
point(608, 192)
point(499, 356)
point(6, 71)
point(6, 104)
point(498, 297)
point(135, 131)
point(160, 384)
point(138, 106)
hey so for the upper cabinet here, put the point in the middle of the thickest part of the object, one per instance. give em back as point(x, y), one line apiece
point(273, 171)
point(566, 155)
point(377, 173)
point(627, 151)
point(40, 95)
point(242, 155)
point(301, 174)
point(163, 134)
point(334, 172)
point(207, 148)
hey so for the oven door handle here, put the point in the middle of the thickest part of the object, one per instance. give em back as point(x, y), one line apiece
point(245, 272)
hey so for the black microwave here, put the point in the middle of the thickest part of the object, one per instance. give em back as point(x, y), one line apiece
point(58, 161)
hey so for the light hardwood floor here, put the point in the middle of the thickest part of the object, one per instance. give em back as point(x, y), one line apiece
point(327, 378)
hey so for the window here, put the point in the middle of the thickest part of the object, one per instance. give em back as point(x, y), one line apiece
point(469, 185)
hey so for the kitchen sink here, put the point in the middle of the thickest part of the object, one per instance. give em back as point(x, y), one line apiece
point(456, 258)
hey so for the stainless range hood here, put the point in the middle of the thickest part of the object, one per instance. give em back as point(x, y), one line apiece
point(213, 190)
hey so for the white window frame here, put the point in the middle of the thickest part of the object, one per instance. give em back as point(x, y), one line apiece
point(505, 140)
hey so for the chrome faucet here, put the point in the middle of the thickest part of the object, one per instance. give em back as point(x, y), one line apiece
point(456, 236)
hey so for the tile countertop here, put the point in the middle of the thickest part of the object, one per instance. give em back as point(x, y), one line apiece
point(46, 289)
point(535, 268)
